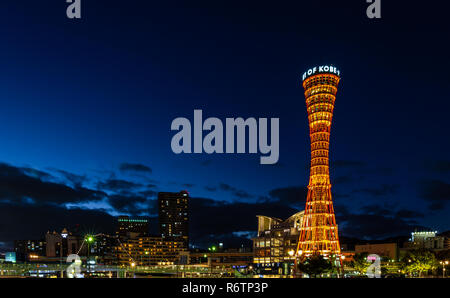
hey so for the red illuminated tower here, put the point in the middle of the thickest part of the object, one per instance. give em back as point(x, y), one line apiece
point(319, 232)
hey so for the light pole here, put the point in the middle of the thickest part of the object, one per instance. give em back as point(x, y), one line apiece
point(89, 240)
point(291, 254)
point(297, 256)
point(212, 249)
point(342, 265)
point(443, 263)
point(60, 259)
point(64, 235)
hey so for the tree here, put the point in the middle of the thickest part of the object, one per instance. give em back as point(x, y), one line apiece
point(360, 262)
point(315, 265)
point(418, 261)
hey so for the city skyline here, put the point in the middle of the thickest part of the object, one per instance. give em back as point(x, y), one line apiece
point(87, 107)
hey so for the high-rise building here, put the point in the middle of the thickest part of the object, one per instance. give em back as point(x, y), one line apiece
point(135, 225)
point(103, 249)
point(319, 232)
point(62, 244)
point(174, 216)
point(26, 249)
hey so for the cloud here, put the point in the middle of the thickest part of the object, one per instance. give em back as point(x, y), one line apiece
point(74, 179)
point(135, 167)
point(211, 219)
point(408, 214)
point(389, 210)
point(36, 220)
point(129, 204)
point(16, 186)
point(246, 234)
point(384, 190)
point(227, 220)
point(36, 173)
point(435, 192)
point(376, 209)
point(117, 185)
point(290, 195)
point(239, 193)
point(148, 193)
point(374, 225)
point(226, 187)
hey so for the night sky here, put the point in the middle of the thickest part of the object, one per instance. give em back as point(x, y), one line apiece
point(86, 108)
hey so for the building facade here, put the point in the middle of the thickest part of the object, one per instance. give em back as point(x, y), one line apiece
point(136, 225)
point(147, 251)
point(174, 216)
point(426, 240)
point(387, 250)
point(29, 249)
point(62, 244)
point(103, 249)
point(276, 242)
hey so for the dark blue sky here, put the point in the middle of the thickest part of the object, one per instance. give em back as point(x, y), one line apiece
point(87, 98)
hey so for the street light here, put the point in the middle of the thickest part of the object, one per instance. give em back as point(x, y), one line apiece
point(443, 263)
point(89, 240)
point(297, 255)
point(341, 263)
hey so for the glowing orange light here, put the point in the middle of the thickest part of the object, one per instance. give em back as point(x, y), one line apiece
point(318, 232)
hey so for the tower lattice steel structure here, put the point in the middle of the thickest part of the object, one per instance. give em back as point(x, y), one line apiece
point(319, 232)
